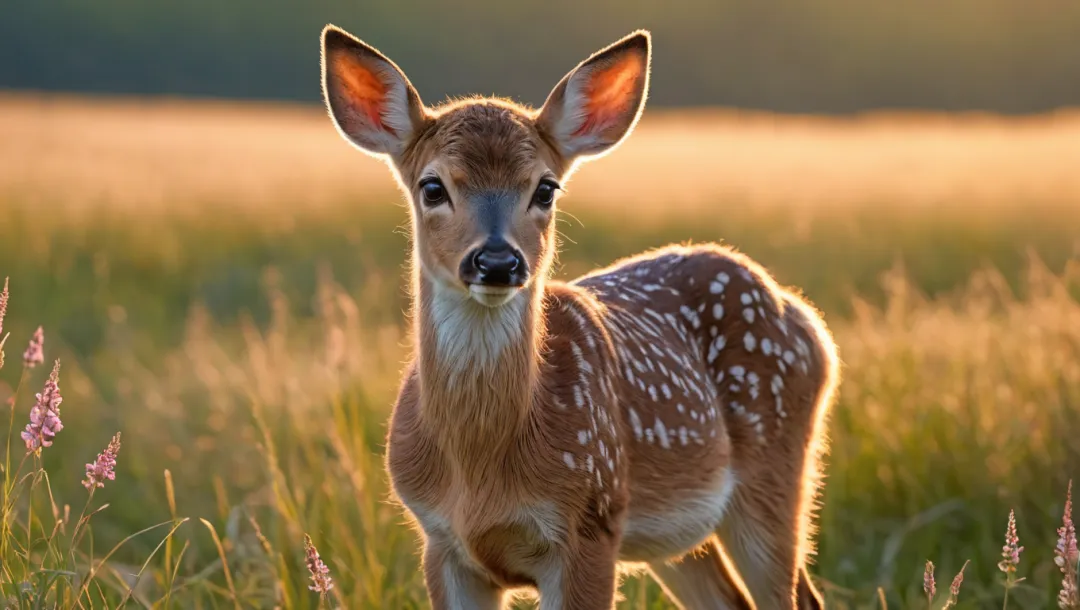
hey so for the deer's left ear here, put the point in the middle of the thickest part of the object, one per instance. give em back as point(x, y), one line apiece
point(597, 104)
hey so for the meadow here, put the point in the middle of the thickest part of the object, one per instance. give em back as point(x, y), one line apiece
point(223, 284)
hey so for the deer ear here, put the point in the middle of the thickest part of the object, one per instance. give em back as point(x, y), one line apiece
point(372, 103)
point(597, 104)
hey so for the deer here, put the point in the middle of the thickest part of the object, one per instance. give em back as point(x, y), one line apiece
point(665, 413)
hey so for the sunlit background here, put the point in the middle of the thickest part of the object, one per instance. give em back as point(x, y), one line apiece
point(221, 276)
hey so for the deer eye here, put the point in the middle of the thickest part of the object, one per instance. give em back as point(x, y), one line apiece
point(545, 194)
point(433, 192)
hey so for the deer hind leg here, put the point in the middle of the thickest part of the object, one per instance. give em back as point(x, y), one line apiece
point(766, 534)
point(701, 580)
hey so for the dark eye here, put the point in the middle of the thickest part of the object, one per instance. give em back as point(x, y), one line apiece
point(433, 192)
point(545, 194)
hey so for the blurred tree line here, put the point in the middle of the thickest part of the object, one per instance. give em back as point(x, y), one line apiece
point(831, 56)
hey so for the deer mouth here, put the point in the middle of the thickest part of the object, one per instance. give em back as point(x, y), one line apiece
point(492, 296)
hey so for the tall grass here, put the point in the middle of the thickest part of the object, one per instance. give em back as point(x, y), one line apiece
point(249, 356)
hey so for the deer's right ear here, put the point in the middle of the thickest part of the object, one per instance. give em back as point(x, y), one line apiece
point(372, 103)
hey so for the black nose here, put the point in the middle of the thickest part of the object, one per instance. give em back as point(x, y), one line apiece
point(496, 263)
point(499, 259)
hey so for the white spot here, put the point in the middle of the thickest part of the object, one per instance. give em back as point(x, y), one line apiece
point(579, 399)
point(757, 296)
point(789, 357)
point(583, 365)
point(748, 315)
point(583, 436)
point(569, 459)
point(665, 390)
point(714, 348)
point(652, 392)
point(766, 346)
point(749, 342)
point(680, 408)
point(716, 287)
point(691, 316)
point(661, 433)
point(739, 372)
point(682, 435)
point(635, 422)
point(718, 311)
point(746, 298)
point(589, 463)
point(649, 435)
point(776, 385)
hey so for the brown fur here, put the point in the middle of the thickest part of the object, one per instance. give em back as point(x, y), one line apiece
point(671, 403)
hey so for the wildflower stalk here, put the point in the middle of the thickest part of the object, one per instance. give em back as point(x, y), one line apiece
point(929, 586)
point(96, 475)
point(1010, 554)
point(954, 588)
point(321, 582)
point(1066, 557)
point(10, 476)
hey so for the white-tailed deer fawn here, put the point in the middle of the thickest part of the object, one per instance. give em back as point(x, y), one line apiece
point(667, 410)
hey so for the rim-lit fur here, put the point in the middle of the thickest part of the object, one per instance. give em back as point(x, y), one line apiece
point(666, 411)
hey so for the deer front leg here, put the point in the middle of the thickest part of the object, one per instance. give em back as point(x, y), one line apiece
point(582, 577)
point(454, 585)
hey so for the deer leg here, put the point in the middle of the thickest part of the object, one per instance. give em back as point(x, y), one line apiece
point(452, 585)
point(765, 536)
point(701, 580)
point(582, 579)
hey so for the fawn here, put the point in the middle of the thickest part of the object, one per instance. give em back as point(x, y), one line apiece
point(666, 411)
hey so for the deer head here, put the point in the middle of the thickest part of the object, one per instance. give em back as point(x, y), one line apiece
point(482, 175)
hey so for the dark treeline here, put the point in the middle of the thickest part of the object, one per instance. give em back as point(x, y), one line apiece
point(833, 56)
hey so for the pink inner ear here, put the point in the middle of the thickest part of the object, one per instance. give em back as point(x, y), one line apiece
point(362, 89)
point(609, 93)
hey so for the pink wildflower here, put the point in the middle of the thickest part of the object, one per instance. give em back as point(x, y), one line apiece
point(320, 574)
point(954, 588)
point(35, 352)
point(1066, 555)
point(928, 585)
point(1012, 549)
point(45, 414)
point(102, 468)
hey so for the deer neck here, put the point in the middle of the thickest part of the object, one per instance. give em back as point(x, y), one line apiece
point(478, 365)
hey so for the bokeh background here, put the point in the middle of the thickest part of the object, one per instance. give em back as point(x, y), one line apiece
point(222, 277)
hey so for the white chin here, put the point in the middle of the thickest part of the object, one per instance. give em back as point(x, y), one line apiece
point(492, 296)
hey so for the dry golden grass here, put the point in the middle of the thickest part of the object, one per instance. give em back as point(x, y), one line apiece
point(158, 156)
point(256, 366)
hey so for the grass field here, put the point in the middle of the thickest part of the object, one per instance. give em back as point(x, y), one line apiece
point(222, 284)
